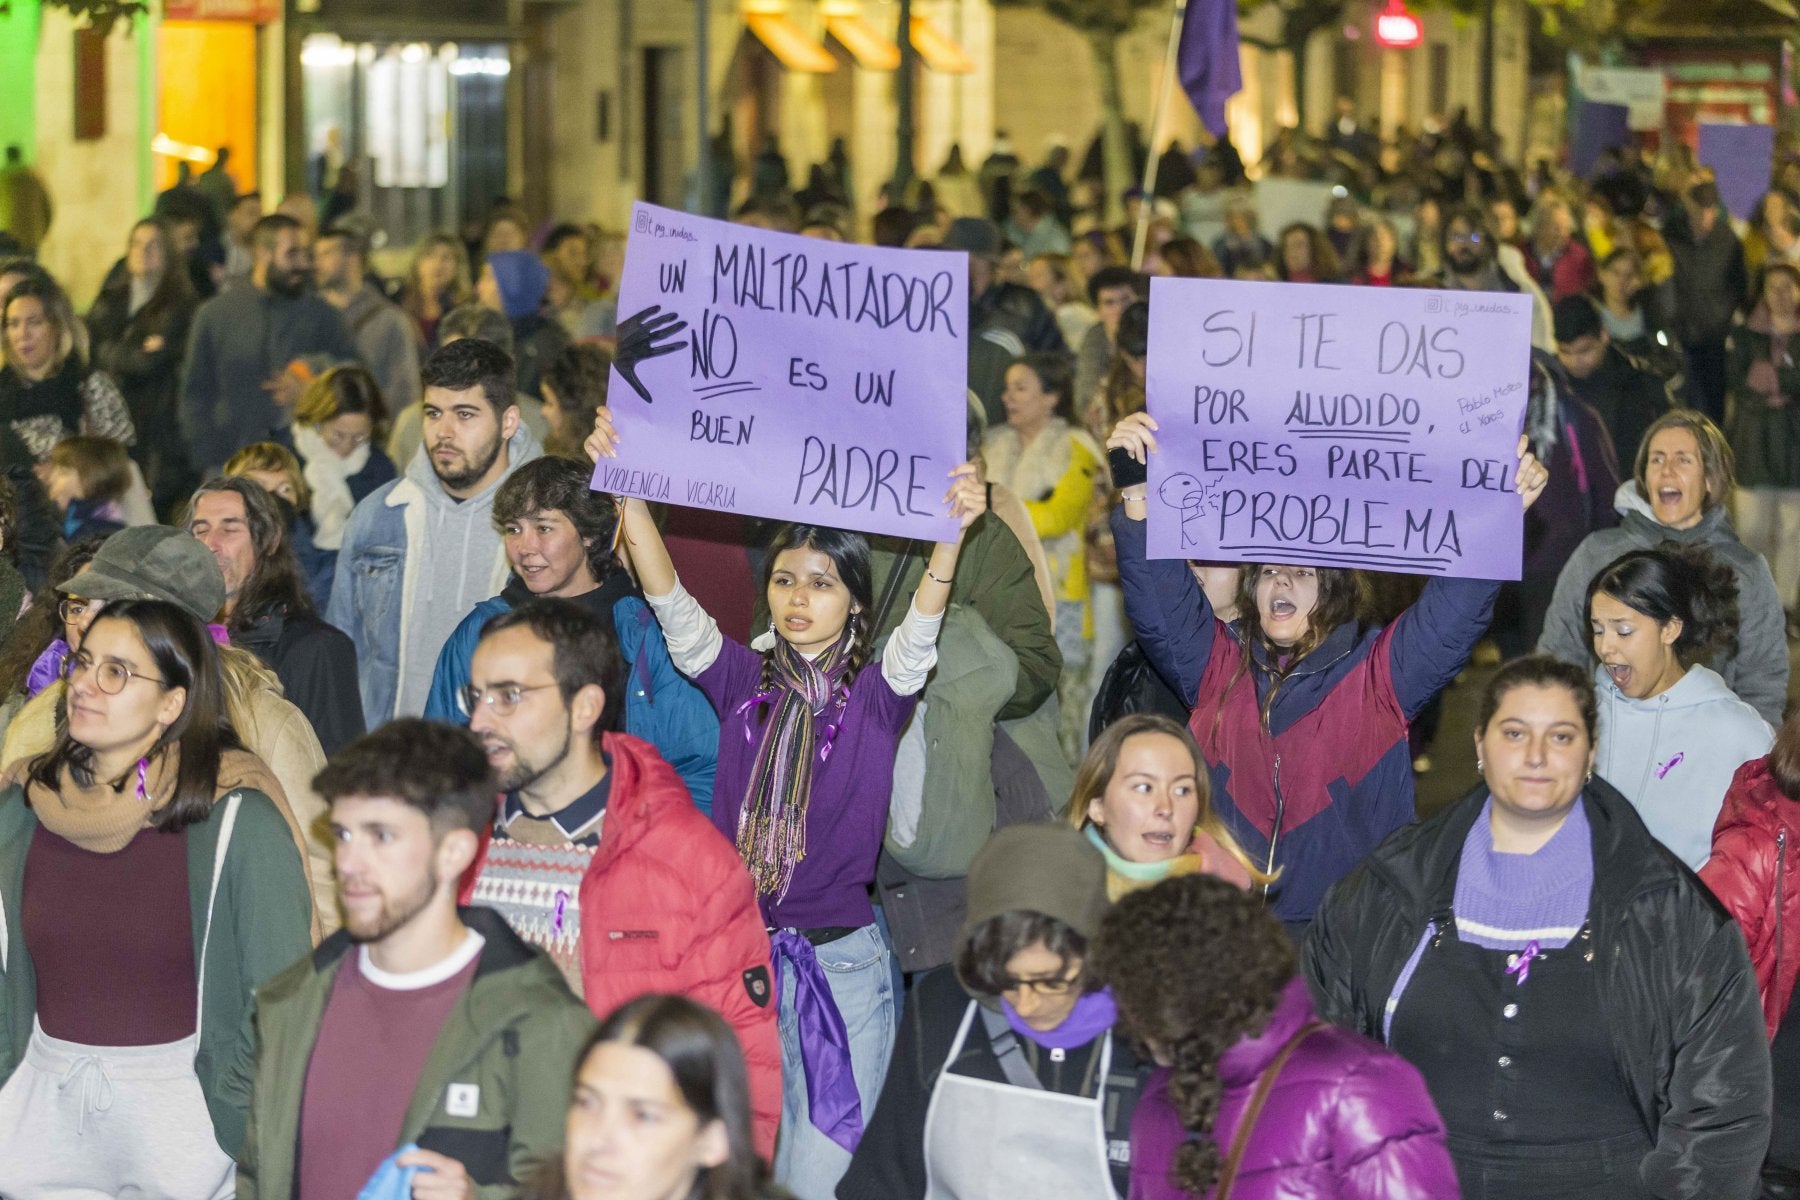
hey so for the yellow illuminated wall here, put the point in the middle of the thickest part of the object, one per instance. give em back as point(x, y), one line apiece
point(206, 73)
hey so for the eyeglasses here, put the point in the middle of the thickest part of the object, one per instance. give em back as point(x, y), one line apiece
point(111, 677)
point(1042, 987)
point(501, 700)
point(74, 609)
point(340, 441)
point(1466, 239)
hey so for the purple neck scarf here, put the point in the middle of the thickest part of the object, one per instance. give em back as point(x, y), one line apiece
point(48, 667)
point(1093, 1015)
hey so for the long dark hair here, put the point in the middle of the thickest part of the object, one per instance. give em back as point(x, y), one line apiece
point(175, 288)
point(849, 553)
point(703, 1055)
point(185, 657)
point(1342, 598)
point(1671, 583)
point(1195, 966)
point(42, 624)
point(276, 582)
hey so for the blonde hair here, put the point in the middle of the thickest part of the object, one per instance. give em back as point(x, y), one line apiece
point(100, 464)
point(277, 459)
point(1096, 772)
point(340, 391)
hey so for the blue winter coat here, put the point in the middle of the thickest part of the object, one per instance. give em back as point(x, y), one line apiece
point(1330, 774)
point(661, 706)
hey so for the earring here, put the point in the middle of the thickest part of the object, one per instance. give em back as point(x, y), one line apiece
point(771, 626)
point(1590, 776)
point(1480, 767)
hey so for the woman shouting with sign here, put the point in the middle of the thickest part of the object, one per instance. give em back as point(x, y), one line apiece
point(808, 733)
point(1302, 713)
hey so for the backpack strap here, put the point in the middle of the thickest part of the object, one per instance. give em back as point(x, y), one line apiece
point(1006, 1049)
point(1240, 1140)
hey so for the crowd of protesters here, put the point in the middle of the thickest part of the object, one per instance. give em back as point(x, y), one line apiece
point(385, 813)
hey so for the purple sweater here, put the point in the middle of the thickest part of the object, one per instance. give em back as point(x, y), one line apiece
point(848, 811)
point(1347, 1120)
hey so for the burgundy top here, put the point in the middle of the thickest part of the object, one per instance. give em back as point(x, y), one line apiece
point(372, 1047)
point(102, 928)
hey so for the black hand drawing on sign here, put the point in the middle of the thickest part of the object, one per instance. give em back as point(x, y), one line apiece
point(642, 337)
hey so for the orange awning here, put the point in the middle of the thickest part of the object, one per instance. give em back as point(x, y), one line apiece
point(866, 45)
point(939, 50)
point(789, 43)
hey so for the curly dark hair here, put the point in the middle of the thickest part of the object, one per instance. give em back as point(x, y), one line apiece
point(1195, 966)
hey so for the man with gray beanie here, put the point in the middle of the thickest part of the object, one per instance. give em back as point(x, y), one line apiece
point(1006, 1064)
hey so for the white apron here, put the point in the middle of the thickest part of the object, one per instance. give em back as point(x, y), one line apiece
point(1001, 1141)
point(91, 1121)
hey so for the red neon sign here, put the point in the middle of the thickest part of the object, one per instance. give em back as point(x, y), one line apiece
point(1396, 28)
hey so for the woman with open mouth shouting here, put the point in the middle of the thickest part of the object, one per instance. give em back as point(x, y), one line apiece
point(1671, 733)
point(1679, 490)
point(1302, 710)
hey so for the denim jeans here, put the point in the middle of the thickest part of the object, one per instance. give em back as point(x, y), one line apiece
point(859, 967)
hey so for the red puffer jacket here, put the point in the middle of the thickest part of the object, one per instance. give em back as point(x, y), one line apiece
point(1755, 872)
point(667, 906)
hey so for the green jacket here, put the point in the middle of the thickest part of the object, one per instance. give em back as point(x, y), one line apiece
point(514, 1035)
point(261, 923)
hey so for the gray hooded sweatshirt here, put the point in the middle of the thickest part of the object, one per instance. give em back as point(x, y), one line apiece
point(1758, 672)
point(1673, 755)
point(462, 563)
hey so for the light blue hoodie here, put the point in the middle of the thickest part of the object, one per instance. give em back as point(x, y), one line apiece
point(1673, 755)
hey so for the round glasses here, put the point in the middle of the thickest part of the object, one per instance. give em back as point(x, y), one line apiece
point(501, 701)
point(74, 608)
point(111, 677)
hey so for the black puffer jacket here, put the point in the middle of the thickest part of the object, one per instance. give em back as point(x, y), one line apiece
point(1678, 989)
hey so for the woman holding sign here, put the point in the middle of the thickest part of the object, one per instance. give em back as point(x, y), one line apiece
point(1302, 711)
point(808, 734)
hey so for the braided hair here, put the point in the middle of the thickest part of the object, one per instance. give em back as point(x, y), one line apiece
point(1195, 966)
point(849, 554)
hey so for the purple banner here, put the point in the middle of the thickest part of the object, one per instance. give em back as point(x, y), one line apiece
point(1338, 426)
point(1739, 156)
point(820, 382)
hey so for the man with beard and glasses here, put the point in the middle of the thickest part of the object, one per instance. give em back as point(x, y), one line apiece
point(233, 386)
point(597, 854)
point(419, 1025)
point(1476, 260)
point(421, 551)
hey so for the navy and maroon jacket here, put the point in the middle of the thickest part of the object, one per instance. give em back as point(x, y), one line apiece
point(1331, 775)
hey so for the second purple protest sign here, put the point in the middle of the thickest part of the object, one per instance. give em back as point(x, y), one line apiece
point(820, 382)
point(1337, 426)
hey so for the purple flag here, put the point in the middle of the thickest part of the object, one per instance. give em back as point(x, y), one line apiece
point(1208, 59)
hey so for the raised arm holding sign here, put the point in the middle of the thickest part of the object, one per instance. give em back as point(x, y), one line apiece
point(788, 377)
point(1300, 709)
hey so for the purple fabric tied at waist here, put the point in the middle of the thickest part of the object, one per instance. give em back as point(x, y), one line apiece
point(832, 1101)
point(48, 668)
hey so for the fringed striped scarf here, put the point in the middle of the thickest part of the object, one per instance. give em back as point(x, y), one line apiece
point(771, 836)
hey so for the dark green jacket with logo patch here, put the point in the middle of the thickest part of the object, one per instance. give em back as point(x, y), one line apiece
point(514, 1034)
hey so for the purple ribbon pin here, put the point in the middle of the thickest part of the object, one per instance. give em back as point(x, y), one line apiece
point(1671, 764)
point(1521, 962)
point(562, 906)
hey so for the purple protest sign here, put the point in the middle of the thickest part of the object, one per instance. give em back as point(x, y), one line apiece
point(1337, 426)
point(820, 382)
point(1739, 156)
